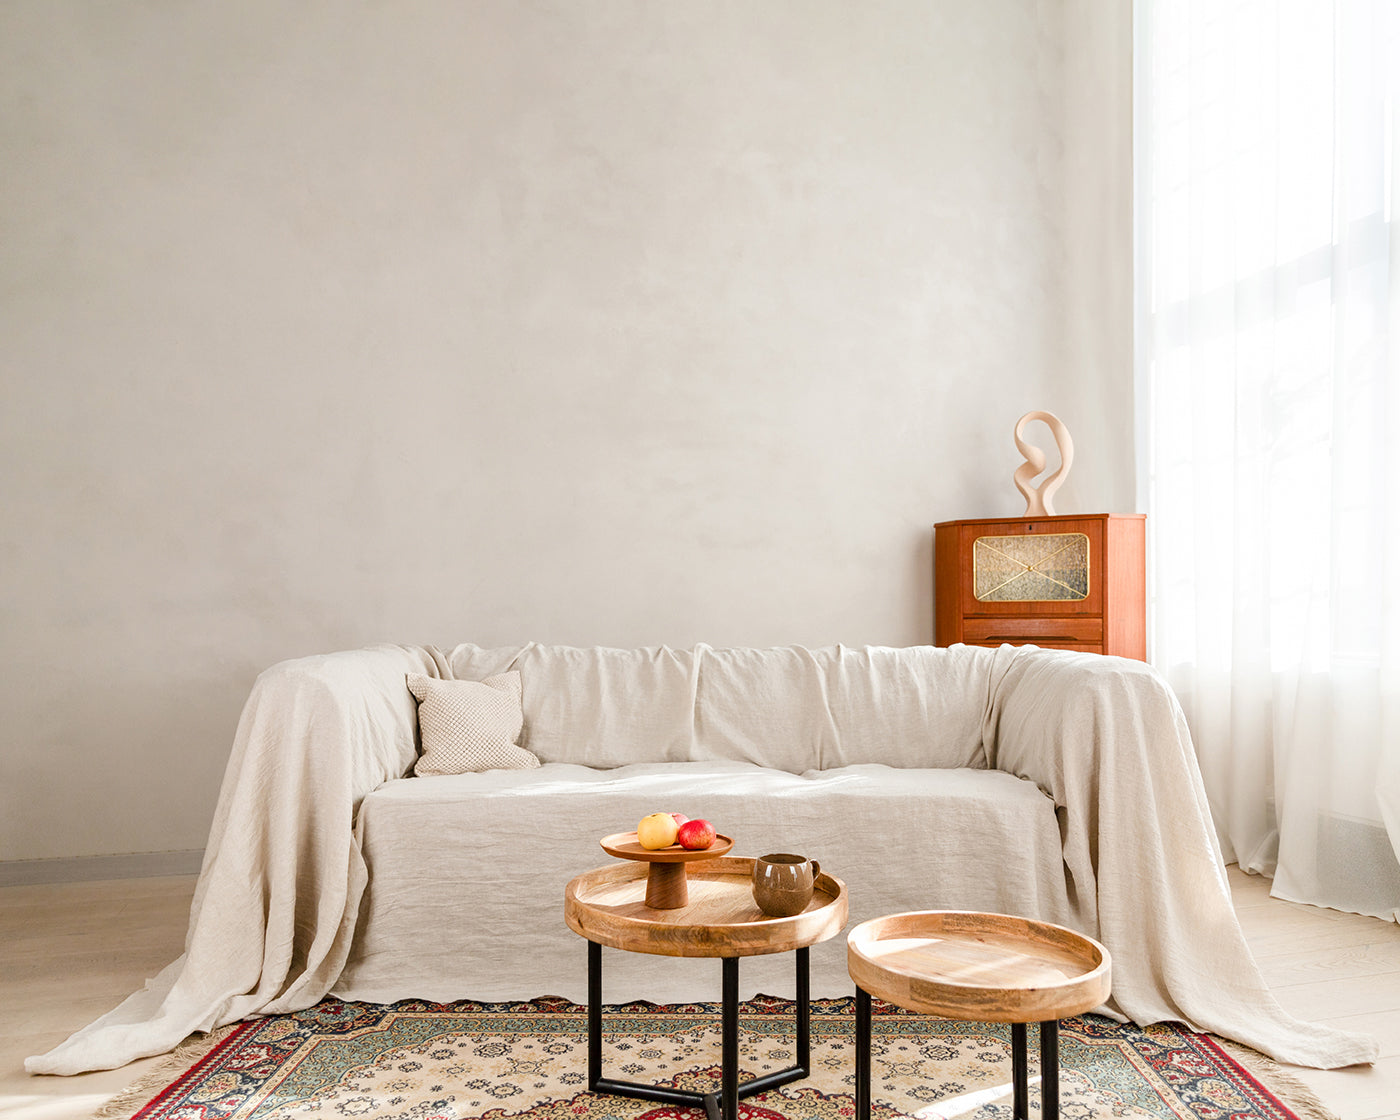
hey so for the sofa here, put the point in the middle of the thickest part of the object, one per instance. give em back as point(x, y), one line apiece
point(1050, 784)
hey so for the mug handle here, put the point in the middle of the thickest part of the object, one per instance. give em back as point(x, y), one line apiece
point(816, 870)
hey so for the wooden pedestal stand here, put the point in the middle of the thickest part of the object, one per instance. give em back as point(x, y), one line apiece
point(666, 876)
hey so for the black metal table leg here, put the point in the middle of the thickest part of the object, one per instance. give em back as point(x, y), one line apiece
point(1020, 1065)
point(862, 1054)
point(729, 1044)
point(804, 1013)
point(1020, 1078)
point(722, 1104)
point(1050, 1070)
point(595, 1014)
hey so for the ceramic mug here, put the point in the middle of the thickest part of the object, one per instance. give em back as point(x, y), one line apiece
point(782, 883)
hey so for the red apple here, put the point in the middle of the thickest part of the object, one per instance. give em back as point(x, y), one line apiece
point(697, 835)
point(679, 818)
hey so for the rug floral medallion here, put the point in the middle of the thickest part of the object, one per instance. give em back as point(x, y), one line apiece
point(425, 1061)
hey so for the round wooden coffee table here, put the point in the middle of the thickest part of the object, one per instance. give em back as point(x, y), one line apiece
point(720, 919)
point(978, 967)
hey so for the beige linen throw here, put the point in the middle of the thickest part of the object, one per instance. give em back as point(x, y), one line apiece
point(275, 908)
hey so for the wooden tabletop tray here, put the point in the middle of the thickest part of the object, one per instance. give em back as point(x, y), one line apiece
point(721, 919)
point(975, 966)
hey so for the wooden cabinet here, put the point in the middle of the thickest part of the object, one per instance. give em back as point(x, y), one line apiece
point(1076, 582)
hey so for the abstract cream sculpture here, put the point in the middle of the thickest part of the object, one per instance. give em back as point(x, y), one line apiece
point(1038, 502)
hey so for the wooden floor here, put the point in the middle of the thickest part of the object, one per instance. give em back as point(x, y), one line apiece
point(69, 952)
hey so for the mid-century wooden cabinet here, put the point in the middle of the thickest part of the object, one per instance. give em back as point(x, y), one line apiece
point(1076, 582)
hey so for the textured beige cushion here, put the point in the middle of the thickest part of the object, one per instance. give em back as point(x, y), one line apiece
point(469, 726)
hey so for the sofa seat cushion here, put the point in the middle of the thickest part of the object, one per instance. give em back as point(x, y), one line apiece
point(986, 840)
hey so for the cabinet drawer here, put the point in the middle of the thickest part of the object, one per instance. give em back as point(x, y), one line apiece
point(1044, 643)
point(1041, 631)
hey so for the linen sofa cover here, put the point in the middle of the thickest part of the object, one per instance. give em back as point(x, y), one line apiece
point(276, 909)
point(789, 709)
point(975, 839)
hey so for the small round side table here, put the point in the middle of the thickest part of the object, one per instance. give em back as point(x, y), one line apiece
point(609, 906)
point(982, 968)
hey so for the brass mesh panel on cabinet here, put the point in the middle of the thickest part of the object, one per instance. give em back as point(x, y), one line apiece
point(1031, 568)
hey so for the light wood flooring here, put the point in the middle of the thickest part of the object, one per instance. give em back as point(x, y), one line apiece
point(70, 951)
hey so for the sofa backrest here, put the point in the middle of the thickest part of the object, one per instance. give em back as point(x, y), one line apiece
point(790, 708)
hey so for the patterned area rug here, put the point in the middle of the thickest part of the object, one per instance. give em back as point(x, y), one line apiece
point(426, 1061)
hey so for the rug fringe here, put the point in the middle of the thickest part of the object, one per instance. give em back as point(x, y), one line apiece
point(1287, 1086)
point(127, 1102)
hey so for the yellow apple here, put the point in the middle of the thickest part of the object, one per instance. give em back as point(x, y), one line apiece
point(656, 830)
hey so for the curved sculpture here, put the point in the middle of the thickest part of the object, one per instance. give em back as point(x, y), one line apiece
point(1038, 502)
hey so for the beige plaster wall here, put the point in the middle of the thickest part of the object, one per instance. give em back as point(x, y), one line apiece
point(1097, 170)
point(620, 323)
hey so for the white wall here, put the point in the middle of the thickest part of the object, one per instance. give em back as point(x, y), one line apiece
point(614, 323)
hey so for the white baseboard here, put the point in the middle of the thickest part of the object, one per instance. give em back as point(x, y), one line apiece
point(80, 869)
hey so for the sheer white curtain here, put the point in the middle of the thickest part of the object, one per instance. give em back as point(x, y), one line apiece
point(1269, 400)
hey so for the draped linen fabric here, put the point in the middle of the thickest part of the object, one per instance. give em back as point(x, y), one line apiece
point(277, 910)
point(928, 838)
point(1269, 366)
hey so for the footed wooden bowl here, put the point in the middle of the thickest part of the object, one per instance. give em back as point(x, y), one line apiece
point(666, 889)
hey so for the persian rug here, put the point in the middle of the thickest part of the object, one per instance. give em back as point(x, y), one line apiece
point(425, 1061)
